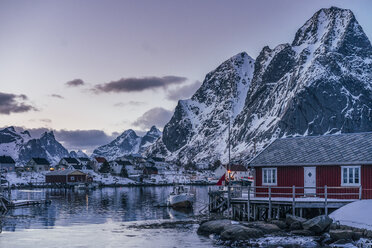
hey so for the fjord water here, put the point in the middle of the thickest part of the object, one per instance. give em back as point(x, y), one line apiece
point(106, 217)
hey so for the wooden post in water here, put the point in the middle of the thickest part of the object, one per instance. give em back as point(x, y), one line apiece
point(360, 192)
point(293, 200)
point(270, 206)
point(326, 200)
point(249, 202)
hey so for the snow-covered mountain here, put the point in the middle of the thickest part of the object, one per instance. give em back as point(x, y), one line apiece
point(319, 84)
point(127, 143)
point(22, 147)
point(78, 154)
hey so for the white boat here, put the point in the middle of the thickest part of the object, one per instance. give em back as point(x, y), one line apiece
point(180, 197)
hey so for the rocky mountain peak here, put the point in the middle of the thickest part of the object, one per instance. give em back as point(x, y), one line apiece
point(127, 143)
point(319, 84)
point(334, 30)
point(224, 80)
point(48, 135)
point(154, 131)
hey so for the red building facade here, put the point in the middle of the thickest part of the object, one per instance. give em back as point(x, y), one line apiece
point(337, 165)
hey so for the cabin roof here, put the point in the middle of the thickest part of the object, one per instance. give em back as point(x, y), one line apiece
point(236, 167)
point(41, 161)
point(123, 162)
point(84, 159)
point(100, 159)
point(340, 149)
point(71, 160)
point(65, 173)
point(6, 160)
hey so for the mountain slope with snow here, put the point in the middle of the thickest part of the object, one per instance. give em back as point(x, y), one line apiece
point(22, 147)
point(202, 121)
point(127, 143)
point(319, 84)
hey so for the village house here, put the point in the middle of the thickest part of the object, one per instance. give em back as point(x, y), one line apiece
point(150, 170)
point(38, 164)
point(69, 163)
point(341, 162)
point(83, 161)
point(117, 165)
point(237, 171)
point(97, 163)
point(7, 164)
point(67, 177)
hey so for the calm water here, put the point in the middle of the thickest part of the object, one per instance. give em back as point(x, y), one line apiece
point(101, 218)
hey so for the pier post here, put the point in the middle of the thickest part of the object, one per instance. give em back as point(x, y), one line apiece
point(293, 200)
point(360, 192)
point(270, 206)
point(249, 202)
point(326, 200)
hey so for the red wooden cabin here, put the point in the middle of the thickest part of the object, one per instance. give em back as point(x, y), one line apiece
point(67, 177)
point(341, 163)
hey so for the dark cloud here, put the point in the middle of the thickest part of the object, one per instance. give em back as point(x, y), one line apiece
point(57, 96)
point(75, 83)
point(138, 84)
point(183, 92)
point(41, 120)
point(11, 103)
point(155, 116)
point(83, 139)
point(130, 103)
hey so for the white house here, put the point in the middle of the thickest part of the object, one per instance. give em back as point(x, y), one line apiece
point(116, 166)
point(237, 171)
point(39, 164)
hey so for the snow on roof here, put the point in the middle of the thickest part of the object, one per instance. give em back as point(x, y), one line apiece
point(41, 161)
point(356, 214)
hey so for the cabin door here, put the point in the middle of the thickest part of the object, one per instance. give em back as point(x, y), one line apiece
point(310, 180)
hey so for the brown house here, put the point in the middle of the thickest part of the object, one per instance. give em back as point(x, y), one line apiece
point(67, 177)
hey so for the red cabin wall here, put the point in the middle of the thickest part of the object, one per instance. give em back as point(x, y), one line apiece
point(55, 179)
point(325, 175)
point(287, 177)
point(366, 180)
point(77, 178)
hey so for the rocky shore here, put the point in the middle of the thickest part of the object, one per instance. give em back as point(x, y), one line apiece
point(317, 232)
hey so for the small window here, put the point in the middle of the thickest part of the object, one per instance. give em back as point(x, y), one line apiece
point(269, 176)
point(350, 176)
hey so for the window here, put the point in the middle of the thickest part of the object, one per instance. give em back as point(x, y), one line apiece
point(269, 176)
point(72, 178)
point(350, 176)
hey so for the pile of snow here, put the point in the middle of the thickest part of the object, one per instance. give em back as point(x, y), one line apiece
point(356, 214)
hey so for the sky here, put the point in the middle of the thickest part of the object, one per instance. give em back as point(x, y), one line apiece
point(91, 69)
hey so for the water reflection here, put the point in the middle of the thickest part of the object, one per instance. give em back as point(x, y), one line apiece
point(71, 207)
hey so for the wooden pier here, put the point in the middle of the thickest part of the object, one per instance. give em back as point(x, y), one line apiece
point(264, 203)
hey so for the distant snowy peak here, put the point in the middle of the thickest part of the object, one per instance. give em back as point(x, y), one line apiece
point(78, 154)
point(150, 138)
point(22, 147)
point(127, 143)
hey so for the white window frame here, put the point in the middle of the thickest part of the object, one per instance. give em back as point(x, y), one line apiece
point(269, 171)
point(348, 174)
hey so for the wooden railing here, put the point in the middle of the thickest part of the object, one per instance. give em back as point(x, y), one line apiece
point(327, 193)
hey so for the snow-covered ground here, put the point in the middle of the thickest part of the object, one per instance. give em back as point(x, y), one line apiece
point(356, 214)
point(26, 178)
